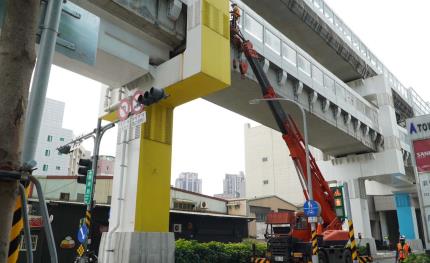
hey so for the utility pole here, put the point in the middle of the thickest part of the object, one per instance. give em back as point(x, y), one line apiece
point(17, 59)
point(90, 181)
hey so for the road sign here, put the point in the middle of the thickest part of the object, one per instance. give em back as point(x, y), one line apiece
point(82, 233)
point(78, 36)
point(138, 119)
point(124, 109)
point(136, 106)
point(89, 187)
point(311, 208)
point(80, 250)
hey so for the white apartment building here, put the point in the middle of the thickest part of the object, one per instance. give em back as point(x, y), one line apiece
point(51, 135)
point(269, 169)
point(189, 181)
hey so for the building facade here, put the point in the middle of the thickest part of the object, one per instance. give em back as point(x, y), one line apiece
point(51, 136)
point(77, 154)
point(234, 186)
point(269, 169)
point(105, 165)
point(189, 181)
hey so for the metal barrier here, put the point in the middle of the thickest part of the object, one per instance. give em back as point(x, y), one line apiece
point(409, 95)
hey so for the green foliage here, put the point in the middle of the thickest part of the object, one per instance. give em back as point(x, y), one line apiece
point(418, 258)
point(362, 250)
point(190, 251)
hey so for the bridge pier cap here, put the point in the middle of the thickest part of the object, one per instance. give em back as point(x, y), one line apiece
point(418, 129)
point(141, 185)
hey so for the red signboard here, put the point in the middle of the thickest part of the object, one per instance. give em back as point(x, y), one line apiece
point(422, 155)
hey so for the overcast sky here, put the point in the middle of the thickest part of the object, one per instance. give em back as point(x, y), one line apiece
point(210, 140)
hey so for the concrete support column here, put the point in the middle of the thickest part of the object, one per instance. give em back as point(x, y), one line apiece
point(360, 212)
point(383, 222)
point(406, 216)
point(153, 186)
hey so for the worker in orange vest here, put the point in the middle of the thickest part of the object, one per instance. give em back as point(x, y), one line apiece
point(403, 250)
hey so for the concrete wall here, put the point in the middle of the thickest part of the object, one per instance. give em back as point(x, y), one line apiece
point(213, 204)
point(269, 169)
point(273, 202)
point(237, 207)
point(53, 186)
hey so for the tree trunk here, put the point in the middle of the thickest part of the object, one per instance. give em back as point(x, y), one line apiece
point(17, 58)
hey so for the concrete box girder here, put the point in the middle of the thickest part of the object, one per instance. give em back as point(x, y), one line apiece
point(296, 20)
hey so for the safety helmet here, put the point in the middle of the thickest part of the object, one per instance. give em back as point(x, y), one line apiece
point(402, 237)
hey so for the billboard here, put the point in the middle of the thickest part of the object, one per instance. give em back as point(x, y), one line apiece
point(422, 155)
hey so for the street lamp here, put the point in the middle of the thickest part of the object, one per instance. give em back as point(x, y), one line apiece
point(305, 133)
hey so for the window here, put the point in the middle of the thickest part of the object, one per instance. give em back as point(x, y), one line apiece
point(253, 28)
point(289, 54)
point(317, 75)
point(61, 139)
point(65, 196)
point(304, 65)
point(47, 152)
point(80, 197)
point(260, 217)
point(45, 167)
point(265, 181)
point(273, 42)
point(183, 205)
point(58, 168)
point(329, 83)
point(22, 244)
point(49, 138)
point(264, 159)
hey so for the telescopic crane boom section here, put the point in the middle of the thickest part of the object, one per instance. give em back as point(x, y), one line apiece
point(290, 133)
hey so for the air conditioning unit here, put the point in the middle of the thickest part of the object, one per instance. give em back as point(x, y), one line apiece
point(177, 228)
point(203, 205)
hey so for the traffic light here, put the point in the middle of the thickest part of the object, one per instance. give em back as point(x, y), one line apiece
point(338, 201)
point(65, 149)
point(152, 96)
point(84, 166)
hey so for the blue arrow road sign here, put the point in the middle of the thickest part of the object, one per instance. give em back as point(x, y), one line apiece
point(82, 233)
point(311, 208)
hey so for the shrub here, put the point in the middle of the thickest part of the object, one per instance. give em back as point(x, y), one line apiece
point(193, 251)
point(418, 258)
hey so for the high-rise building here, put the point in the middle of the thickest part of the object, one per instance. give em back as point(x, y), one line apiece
point(233, 186)
point(189, 181)
point(51, 135)
point(268, 166)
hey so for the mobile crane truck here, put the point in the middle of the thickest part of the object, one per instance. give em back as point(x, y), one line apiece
point(290, 235)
